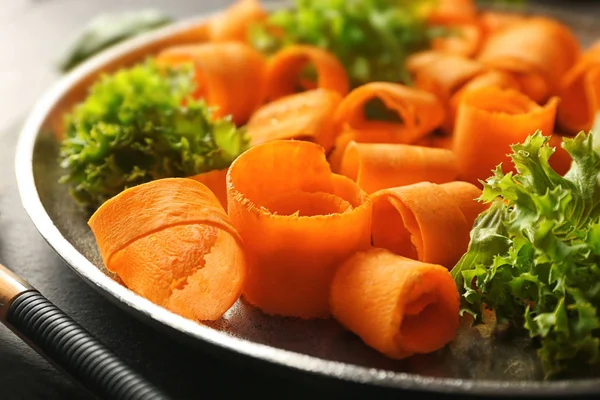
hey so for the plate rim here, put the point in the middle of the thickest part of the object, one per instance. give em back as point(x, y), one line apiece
point(125, 298)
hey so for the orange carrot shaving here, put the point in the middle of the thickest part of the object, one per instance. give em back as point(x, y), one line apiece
point(233, 23)
point(493, 78)
point(171, 242)
point(377, 166)
point(424, 222)
point(284, 74)
point(539, 50)
point(449, 76)
point(298, 221)
point(488, 121)
point(444, 74)
point(307, 115)
point(417, 61)
point(453, 12)
point(495, 21)
point(580, 93)
point(420, 112)
point(464, 40)
point(465, 195)
point(229, 76)
point(215, 180)
point(396, 305)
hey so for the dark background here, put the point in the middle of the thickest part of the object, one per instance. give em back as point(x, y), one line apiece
point(32, 35)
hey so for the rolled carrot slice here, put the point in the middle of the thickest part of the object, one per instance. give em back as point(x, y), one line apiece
point(285, 69)
point(495, 78)
point(229, 76)
point(490, 78)
point(298, 222)
point(376, 166)
point(233, 23)
point(422, 221)
point(444, 74)
point(171, 242)
point(420, 113)
point(396, 305)
point(539, 48)
point(489, 120)
point(452, 12)
point(465, 195)
point(465, 40)
point(307, 115)
point(580, 93)
point(215, 180)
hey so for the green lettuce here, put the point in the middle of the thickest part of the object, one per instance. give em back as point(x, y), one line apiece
point(141, 124)
point(534, 254)
point(371, 38)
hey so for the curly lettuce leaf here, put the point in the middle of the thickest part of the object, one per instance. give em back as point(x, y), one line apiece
point(371, 38)
point(534, 254)
point(138, 125)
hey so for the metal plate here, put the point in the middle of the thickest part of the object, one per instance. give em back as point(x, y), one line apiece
point(474, 363)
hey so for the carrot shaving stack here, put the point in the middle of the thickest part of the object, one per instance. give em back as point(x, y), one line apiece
point(298, 222)
point(371, 246)
point(396, 305)
point(426, 221)
point(171, 241)
point(419, 112)
point(230, 76)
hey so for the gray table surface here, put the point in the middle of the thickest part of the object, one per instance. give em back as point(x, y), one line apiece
point(32, 33)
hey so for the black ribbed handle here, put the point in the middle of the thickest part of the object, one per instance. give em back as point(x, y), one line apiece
point(76, 351)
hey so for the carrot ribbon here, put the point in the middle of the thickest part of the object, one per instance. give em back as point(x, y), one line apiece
point(230, 76)
point(580, 93)
point(537, 51)
point(489, 120)
point(426, 221)
point(307, 115)
point(420, 112)
point(171, 242)
point(376, 166)
point(285, 68)
point(396, 305)
point(298, 222)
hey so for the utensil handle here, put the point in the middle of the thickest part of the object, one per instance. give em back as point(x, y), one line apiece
point(76, 351)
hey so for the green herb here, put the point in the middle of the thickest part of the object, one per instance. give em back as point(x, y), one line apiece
point(372, 38)
point(534, 255)
point(107, 30)
point(133, 128)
